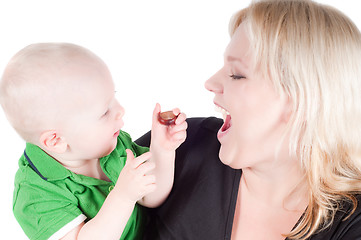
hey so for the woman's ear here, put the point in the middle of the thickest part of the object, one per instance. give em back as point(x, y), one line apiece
point(288, 107)
point(53, 142)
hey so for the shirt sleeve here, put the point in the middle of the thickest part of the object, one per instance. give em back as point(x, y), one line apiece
point(43, 211)
point(350, 228)
point(68, 227)
point(139, 150)
point(344, 225)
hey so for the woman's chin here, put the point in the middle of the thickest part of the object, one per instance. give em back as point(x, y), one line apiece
point(228, 159)
point(224, 157)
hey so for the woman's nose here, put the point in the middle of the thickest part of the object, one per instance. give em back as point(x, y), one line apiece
point(214, 84)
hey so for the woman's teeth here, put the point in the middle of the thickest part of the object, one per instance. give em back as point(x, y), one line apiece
point(222, 110)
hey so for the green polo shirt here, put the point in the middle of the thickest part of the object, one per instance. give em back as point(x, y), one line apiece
point(47, 196)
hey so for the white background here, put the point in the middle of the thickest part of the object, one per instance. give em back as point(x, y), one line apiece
point(157, 51)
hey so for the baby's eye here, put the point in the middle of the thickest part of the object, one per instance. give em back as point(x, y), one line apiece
point(236, 77)
point(106, 113)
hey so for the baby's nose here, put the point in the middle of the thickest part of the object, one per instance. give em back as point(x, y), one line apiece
point(120, 113)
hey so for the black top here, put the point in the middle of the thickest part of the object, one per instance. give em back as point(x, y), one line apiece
point(202, 202)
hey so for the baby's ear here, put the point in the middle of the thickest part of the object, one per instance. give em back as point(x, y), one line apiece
point(53, 142)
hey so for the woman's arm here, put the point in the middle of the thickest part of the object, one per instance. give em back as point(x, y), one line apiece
point(164, 141)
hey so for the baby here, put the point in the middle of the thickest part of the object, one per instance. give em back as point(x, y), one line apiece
point(80, 176)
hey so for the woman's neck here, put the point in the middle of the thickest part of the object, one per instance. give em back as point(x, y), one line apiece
point(270, 201)
point(281, 184)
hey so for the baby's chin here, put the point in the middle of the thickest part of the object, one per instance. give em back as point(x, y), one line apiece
point(108, 151)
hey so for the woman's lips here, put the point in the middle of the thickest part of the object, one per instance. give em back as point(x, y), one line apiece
point(227, 121)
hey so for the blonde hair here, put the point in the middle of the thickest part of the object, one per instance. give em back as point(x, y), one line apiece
point(312, 52)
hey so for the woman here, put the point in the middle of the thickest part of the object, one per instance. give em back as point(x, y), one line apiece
point(290, 91)
point(291, 88)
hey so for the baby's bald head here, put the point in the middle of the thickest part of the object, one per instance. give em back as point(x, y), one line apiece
point(44, 82)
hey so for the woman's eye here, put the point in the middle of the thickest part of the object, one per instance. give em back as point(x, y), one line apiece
point(236, 77)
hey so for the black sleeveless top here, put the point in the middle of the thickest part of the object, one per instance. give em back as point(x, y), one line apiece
point(202, 202)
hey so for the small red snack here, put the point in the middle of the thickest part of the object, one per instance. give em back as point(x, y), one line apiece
point(167, 118)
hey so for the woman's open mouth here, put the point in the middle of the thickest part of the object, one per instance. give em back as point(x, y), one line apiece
point(227, 121)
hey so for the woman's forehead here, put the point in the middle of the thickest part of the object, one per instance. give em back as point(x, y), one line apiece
point(238, 49)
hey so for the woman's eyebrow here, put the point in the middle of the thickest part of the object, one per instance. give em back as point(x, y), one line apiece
point(236, 59)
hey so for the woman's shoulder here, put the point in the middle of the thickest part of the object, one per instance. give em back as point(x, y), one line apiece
point(211, 123)
point(346, 224)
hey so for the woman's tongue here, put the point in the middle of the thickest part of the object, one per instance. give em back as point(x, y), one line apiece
point(227, 123)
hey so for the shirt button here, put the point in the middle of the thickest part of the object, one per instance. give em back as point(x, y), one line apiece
point(111, 188)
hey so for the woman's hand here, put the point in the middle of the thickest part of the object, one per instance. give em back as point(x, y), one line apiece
point(168, 137)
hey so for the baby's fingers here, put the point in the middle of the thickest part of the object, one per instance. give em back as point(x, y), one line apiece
point(149, 180)
point(146, 185)
point(144, 168)
point(136, 162)
point(130, 155)
point(149, 188)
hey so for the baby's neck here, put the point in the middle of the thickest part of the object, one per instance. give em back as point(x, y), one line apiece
point(90, 168)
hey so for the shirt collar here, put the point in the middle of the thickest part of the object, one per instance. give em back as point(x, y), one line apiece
point(46, 167)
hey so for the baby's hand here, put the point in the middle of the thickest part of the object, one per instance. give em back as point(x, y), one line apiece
point(133, 181)
point(168, 136)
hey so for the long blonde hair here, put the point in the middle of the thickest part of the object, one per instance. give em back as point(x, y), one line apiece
point(312, 52)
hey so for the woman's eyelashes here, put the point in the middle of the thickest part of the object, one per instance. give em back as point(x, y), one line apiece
point(236, 77)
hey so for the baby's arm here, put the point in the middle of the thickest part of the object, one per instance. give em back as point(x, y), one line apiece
point(164, 141)
point(133, 183)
